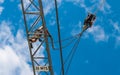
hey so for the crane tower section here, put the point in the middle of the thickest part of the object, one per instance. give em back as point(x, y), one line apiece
point(37, 36)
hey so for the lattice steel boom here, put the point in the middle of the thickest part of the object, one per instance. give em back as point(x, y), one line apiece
point(33, 19)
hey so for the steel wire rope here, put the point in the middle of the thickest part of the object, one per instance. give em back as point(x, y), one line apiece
point(72, 52)
point(59, 37)
point(72, 55)
point(68, 38)
point(68, 57)
point(80, 34)
point(103, 1)
point(66, 45)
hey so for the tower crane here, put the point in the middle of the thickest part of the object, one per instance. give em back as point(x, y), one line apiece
point(38, 36)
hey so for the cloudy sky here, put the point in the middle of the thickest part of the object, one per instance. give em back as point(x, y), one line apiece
point(98, 52)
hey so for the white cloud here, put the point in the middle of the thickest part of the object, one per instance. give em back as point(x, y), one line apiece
point(105, 8)
point(116, 32)
point(98, 33)
point(101, 4)
point(12, 64)
point(14, 53)
point(115, 26)
point(12, 0)
point(77, 28)
point(5, 32)
point(47, 5)
point(117, 42)
point(1, 1)
point(79, 3)
point(1, 9)
point(26, 3)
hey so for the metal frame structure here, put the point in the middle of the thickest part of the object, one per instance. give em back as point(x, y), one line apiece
point(30, 30)
point(46, 67)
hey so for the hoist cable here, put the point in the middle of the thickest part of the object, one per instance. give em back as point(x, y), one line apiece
point(72, 55)
point(101, 5)
point(59, 37)
point(73, 51)
point(68, 38)
point(66, 45)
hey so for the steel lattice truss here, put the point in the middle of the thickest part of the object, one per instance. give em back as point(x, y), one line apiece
point(33, 19)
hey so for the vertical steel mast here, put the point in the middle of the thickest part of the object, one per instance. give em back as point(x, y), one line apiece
point(41, 64)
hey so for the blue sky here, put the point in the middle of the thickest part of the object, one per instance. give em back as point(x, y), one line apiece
point(98, 52)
